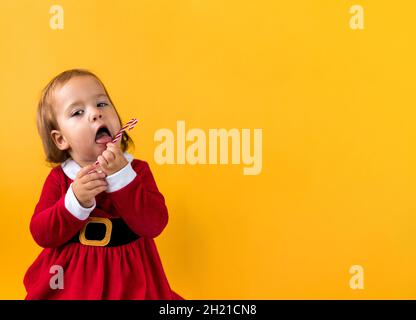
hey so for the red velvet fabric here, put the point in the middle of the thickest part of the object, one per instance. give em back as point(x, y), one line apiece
point(131, 271)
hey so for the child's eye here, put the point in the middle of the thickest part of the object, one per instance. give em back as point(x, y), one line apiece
point(77, 113)
point(102, 103)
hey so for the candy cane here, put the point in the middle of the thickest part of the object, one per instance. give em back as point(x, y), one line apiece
point(128, 126)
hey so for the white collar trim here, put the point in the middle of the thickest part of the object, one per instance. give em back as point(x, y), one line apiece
point(71, 168)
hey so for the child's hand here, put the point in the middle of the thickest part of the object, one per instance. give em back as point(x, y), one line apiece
point(112, 159)
point(87, 186)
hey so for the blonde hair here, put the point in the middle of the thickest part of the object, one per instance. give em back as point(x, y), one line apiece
point(46, 119)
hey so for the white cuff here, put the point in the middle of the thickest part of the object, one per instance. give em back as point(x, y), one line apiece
point(121, 178)
point(74, 207)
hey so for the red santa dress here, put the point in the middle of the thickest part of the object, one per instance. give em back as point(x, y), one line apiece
point(128, 271)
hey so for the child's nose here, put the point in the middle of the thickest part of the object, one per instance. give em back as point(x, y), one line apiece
point(96, 116)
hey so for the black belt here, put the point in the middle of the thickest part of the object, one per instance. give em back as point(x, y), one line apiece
point(104, 232)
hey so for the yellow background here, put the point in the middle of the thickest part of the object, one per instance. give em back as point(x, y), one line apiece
point(337, 109)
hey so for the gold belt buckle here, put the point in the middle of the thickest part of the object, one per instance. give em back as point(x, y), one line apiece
point(101, 243)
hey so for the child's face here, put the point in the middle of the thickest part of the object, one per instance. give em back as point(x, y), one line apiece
point(81, 108)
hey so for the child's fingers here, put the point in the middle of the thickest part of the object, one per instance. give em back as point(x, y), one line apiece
point(114, 149)
point(95, 184)
point(98, 169)
point(84, 171)
point(117, 144)
point(102, 161)
point(92, 176)
point(98, 190)
point(108, 156)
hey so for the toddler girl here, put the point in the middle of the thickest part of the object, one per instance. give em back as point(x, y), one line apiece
point(96, 224)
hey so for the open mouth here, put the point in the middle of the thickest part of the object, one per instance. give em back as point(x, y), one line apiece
point(103, 135)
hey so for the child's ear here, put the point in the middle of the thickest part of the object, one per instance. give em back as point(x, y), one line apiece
point(59, 140)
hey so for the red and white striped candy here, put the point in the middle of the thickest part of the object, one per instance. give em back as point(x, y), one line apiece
point(129, 125)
